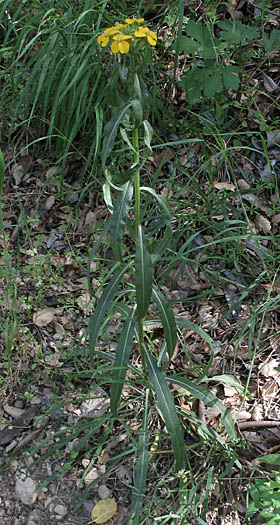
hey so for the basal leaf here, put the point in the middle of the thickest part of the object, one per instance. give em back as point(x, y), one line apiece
point(123, 351)
point(141, 467)
point(167, 319)
point(143, 275)
point(168, 411)
point(119, 218)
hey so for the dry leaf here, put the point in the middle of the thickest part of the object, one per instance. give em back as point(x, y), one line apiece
point(224, 186)
point(43, 317)
point(263, 223)
point(18, 173)
point(268, 368)
point(104, 510)
point(50, 202)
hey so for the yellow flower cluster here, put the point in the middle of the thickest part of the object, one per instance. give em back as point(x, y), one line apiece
point(120, 36)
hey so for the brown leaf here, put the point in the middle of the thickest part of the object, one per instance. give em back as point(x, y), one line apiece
point(43, 317)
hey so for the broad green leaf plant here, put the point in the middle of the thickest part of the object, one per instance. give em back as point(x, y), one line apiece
point(137, 215)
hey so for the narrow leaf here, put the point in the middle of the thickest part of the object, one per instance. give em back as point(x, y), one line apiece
point(91, 256)
point(167, 319)
point(110, 131)
point(167, 409)
point(143, 275)
point(209, 399)
point(119, 218)
point(141, 468)
point(102, 306)
point(148, 134)
point(123, 351)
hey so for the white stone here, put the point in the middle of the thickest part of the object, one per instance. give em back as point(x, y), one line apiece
point(26, 491)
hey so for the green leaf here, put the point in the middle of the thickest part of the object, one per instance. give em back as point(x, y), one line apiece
point(119, 218)
point(167, 319)
point(137, 111)
point(126, 139)
point(209, 399)
point(167, 409)
point(102, 307)
point(195, 328)
point(161, 200)
point(143, 274)
point(212, 84)
point(148, 134)
point(272, 42)
point(110, 131)
point(123, 351)
point(91, 256)
point(141, 467)
point(230, 78)
point(237, 33)
point(188, 45)
point(271, 459)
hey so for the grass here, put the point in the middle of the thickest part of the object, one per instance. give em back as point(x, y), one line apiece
point(55, 95)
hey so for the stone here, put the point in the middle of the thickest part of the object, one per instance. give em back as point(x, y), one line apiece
point(61, 510)
point(26, 491)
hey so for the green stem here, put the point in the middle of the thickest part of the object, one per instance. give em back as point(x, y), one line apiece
point(137, 224)
point(137, 181)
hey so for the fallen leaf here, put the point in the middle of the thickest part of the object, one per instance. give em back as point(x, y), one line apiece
point(269, 84)
point(43, 317)
point(50, 202)
point(104, 510)
point(268, 368)
point(263, 223)
point(224, 186)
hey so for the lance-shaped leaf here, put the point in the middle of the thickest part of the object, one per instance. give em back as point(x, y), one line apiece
point(167, 409)
point(167, 319)
point(143, 274)
point(102, 307)
point(148, 134)
point(110, 131)
point(141, 467)
point(118, 219)
point(209, 399)
point(91, 256)
point(123, 351)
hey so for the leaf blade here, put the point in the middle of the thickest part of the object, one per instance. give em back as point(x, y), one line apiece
point(167, 319)
point(118, 219)
point(102, 306)
point(123, 352)
point(167, 409)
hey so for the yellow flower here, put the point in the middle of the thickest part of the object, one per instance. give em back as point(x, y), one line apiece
point(112, 30)
point(144, 31)
point(103, 40)
point(134, 20)
point(120, 43)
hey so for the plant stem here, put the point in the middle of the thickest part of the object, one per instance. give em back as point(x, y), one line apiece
point(137, 180)
point(137, 224)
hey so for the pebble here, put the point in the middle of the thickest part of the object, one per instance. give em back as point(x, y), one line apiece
point(103, 492)
point(61, 510)
point(26, 491)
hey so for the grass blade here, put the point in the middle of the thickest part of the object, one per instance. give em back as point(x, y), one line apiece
point(102, 306)
point(143, 274)
point(123, 351)
point(167, 409)
point(209, 399)
point(167, 319)
point(118, 219)
point(141, 468)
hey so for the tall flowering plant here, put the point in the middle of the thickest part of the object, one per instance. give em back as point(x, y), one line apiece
point(134, 241)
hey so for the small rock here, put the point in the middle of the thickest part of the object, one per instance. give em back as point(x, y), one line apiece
point(61, 510)
point(26, 491)
point(103, 492)
point(91, 476)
